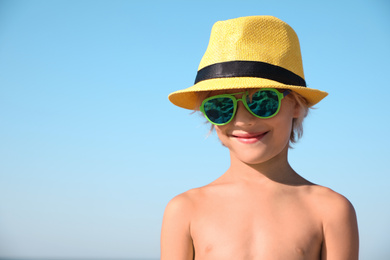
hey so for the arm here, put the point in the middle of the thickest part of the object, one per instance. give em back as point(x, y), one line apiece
point(341, 238)
point(176, 241)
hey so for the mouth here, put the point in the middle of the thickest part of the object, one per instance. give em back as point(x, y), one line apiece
point(249, 138)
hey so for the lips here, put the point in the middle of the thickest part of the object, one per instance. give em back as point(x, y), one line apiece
point(248, 138)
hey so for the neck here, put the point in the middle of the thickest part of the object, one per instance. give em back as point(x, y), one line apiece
point(276, 169)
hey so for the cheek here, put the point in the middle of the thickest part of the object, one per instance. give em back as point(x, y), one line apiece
point(284, 128)
point(221, 135)
point(282, 123)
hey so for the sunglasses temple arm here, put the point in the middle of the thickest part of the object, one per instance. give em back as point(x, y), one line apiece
point(285, 93)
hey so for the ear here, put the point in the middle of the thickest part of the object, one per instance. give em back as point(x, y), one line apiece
point(298, 110)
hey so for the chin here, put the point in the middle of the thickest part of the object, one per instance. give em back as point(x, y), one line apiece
point(260, 156)
point(254, 161)
point(251, 157)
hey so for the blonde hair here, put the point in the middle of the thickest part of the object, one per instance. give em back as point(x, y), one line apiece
point(297, 123)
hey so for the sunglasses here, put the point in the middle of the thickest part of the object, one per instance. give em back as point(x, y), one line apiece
point(264, 103)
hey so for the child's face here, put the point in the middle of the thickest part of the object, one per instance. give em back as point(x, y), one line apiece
point(254, 140)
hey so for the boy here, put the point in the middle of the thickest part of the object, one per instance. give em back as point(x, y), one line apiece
point(250, 86)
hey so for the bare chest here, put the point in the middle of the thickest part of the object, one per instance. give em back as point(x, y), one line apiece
point(258, 228)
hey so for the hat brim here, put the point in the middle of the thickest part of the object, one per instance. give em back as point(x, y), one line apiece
point(188, 98)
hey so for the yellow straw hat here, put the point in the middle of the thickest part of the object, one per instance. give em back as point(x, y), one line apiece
point(249, 52)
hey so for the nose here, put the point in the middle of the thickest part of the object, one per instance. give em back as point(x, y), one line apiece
point(243, 117)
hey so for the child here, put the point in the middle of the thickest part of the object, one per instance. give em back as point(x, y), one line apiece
point(250, 86)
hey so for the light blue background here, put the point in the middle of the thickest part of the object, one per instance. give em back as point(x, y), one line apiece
point(91, 150)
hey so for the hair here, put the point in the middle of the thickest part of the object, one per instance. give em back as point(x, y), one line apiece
point(297, 123)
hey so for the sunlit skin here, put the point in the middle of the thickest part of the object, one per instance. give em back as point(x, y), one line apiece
point(260, 208)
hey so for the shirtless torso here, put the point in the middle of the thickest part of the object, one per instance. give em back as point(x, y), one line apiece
point(230, 219)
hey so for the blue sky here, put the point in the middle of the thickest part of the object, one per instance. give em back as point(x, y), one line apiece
point(91, 149)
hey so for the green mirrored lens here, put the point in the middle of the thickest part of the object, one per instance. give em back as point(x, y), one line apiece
point(263, 103)
point(219, 110)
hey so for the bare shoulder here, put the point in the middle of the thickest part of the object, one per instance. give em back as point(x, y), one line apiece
point(181, 204)
point(330, 203)
point(184, 204)
point(176, 240)
point(339, 224)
